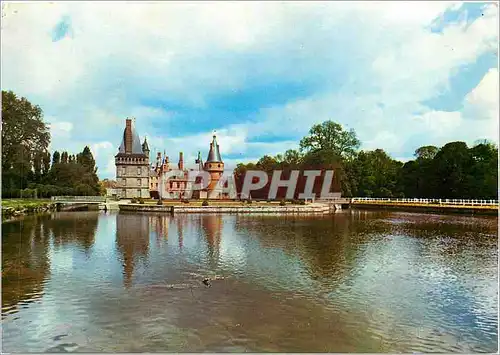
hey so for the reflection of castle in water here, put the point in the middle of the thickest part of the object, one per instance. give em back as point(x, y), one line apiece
point(159, 224)
point(132, 241)
point(133, 236)
point(211, 225)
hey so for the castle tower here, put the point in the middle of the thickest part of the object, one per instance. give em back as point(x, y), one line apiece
point(199, 162)
point(214, 165)
point(165, 163)
point(158, 160)
point(181, 162)
point(132, 164)
point(145, 147)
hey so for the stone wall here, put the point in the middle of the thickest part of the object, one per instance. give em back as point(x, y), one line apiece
point(322, 209)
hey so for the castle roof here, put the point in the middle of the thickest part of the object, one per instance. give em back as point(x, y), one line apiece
point(145, 146)
point(135, 143)
point(214, 154)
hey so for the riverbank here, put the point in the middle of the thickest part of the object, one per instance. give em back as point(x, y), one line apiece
point(428, 208)
point(229, 208)
point(19, 207)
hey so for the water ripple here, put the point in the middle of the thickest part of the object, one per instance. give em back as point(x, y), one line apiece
point(377, 282)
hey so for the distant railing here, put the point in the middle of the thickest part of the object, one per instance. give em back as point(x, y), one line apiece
point(79, 198)
point(429, 201)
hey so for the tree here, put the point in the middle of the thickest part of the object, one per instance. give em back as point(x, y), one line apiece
point(451, 171)
point(376, 174)
point(292, 158)
point(64, 157)
point(267, 163)
point(37, 166)
point(484, 170)
point(426, 152)
point(330, 137)
point(56, 158)
point(24, 135)
point(45, 163)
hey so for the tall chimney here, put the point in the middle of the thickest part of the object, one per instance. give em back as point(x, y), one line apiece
point(128, 136)
point(181, 161)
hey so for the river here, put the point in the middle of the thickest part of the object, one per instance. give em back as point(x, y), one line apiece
point(354, 281)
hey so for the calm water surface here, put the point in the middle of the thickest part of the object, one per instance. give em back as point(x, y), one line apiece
point(355, 281)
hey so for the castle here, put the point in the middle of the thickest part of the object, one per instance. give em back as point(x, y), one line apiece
point(132, 165)
point(136, 178)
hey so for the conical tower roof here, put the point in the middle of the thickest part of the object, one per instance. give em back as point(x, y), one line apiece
point(136, 146)
point(214, 154)
point(145, 146)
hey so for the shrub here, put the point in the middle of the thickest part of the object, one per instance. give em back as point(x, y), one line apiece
point(302, 202)
point(134, 200)
point(160, 202)
point(282, 202)
point(84, 190)
point(28, 193)
point(141, 201)
point(204, 203)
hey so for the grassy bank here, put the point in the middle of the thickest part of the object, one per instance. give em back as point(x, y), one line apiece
point(421, 208)
point(17, 207)
point(18, 203)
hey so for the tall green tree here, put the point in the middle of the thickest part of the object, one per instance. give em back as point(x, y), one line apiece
point(64, 157)
point(24, 134)
point(331, 138)
point(56, 158)
point(451, 171)
point(484, 171)
point(377, 174)
point(45, 163)
point(22, 126)
point(292, 158)
point(267, 163)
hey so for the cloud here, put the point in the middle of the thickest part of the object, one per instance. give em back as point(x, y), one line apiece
point(482, 102)
point(60, 129)
point(260, 73)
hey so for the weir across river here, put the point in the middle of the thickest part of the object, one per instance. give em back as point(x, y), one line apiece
point(423, 205)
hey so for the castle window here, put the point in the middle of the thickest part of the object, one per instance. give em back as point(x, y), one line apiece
point(138, 182)
point(218, 166)
point(138, 170)
point(124, 181)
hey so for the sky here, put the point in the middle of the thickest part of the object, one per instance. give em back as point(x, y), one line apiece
point(259, 74)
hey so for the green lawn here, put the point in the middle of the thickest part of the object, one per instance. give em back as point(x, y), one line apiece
point(24, 203)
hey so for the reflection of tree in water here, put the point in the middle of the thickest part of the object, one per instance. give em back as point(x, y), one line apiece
point(211, 224)
point(326, 244)
point(25, 261)
point(132, 241)
point(25, 251)
point(70, 227)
